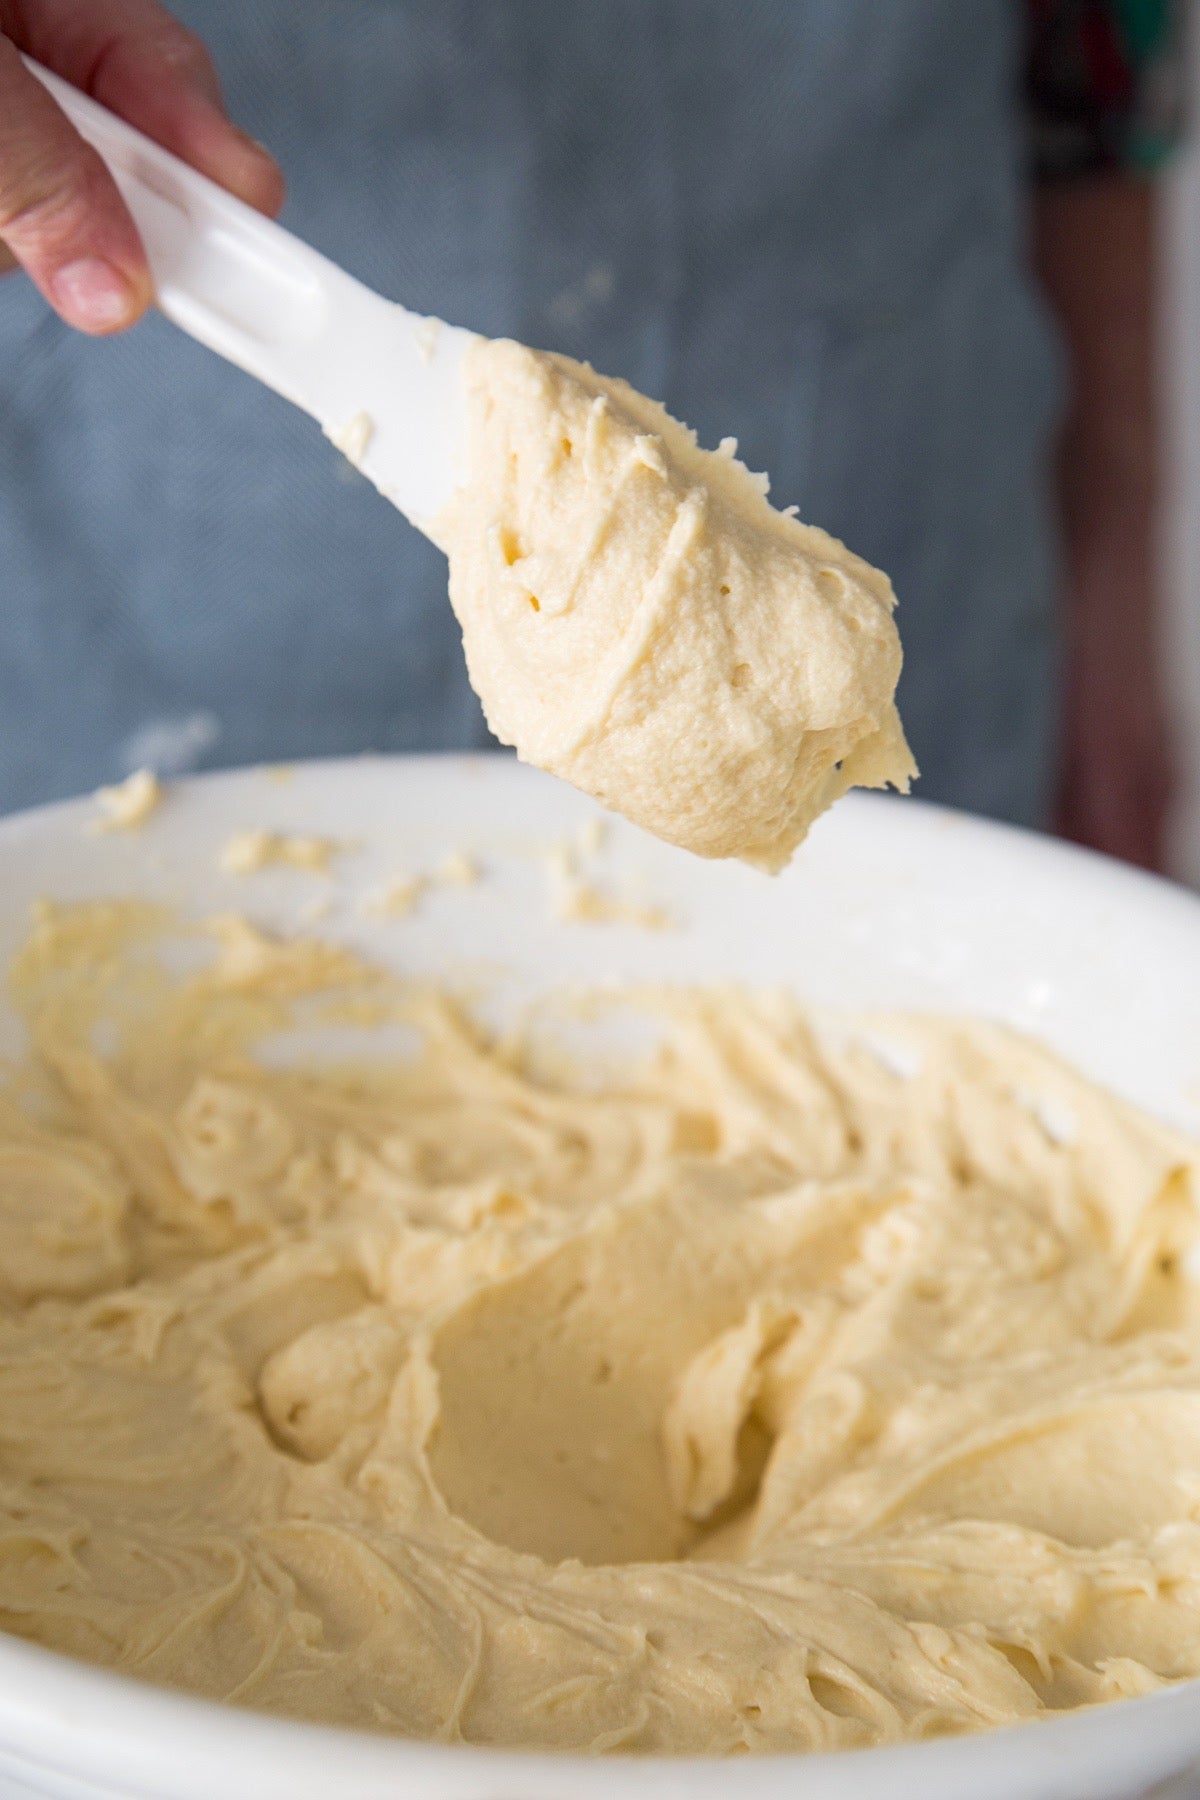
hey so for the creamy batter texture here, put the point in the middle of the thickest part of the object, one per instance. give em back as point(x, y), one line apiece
point(248, 852)
point(639, 620)
point(128, 805)
point(786, 1386)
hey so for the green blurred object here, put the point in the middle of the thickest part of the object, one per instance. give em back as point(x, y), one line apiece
point(1146, 26)
point(1105, 85)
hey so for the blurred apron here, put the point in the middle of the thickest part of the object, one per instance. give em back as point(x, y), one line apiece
point(797, 221)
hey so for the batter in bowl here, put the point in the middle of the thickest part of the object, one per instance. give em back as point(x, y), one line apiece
point(793, 1385)
point(639, 619)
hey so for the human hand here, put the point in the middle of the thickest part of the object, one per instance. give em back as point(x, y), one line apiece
point(61, 217)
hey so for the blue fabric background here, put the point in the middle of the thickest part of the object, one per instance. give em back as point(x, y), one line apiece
point(798, 221)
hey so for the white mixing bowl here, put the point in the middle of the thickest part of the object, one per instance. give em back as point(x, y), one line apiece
point(890, 904)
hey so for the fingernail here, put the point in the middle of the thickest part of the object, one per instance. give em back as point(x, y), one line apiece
point(94, 295)
point(251, 145)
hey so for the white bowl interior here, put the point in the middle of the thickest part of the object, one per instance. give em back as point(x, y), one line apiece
point(891, 904)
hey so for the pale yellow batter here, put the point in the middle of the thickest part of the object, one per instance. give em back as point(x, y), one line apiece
point(127, 806)
point(797, 1388)
point(641, 621)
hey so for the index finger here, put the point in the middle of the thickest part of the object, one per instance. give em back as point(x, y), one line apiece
point(61, 216)
point(139, 61)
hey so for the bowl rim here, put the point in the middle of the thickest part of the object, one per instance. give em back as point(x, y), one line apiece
point(61, 1713)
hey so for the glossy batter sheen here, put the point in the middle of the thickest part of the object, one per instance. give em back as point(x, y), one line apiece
point(792, 1388)
point(639, 620)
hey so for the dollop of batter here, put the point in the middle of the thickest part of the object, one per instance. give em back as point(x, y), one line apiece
point(800, 1384)
point(639, 620)
point(128, 805)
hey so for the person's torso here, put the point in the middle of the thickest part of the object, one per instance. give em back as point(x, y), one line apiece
point(796, 221)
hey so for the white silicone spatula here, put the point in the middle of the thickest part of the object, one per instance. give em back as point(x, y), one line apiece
point(385, 384)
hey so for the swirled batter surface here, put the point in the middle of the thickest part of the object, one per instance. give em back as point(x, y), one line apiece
point(786, 1386)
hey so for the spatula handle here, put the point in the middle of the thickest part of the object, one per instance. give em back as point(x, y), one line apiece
point(268, 302)
point(223, 273)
